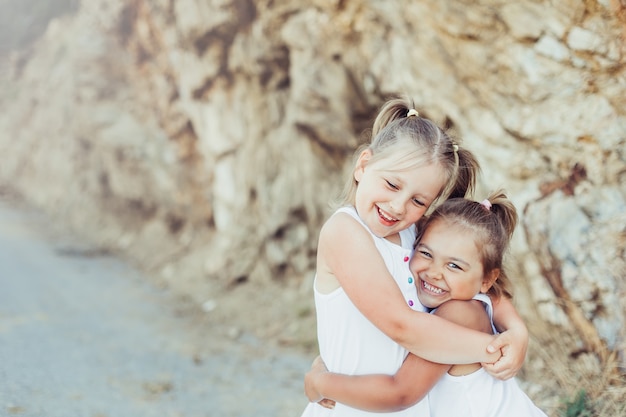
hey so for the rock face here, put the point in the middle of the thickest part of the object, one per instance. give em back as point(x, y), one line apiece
point(219, 131)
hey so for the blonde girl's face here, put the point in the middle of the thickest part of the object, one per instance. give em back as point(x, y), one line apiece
point(447, 265)
point(389, 200)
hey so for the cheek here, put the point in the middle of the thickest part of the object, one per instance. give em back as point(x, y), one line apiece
point(415, 214)
point(416, 265)
point(466, 289)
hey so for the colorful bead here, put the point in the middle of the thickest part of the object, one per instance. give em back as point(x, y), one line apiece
point(406, 259)
point(410, 280)
point(410, 303)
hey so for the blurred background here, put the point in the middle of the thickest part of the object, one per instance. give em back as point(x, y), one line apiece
point(203, 141)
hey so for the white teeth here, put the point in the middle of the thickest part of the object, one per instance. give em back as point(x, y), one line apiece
point(432, 288)
point(383, 215)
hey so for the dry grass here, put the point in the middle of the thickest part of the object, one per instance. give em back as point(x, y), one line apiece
point(554, 377)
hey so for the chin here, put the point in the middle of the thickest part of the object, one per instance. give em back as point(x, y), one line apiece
point(427, 304)
point(431, 305)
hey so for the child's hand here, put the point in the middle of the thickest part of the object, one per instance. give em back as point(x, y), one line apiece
point(317, 367)
point(512, 344)
point(326, 403)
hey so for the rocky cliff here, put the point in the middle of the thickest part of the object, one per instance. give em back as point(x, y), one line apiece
point(204, 140)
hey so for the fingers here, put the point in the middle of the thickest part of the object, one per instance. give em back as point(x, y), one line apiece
point(500, 342)
point(317, 368)
point(496, 371)
point(309, 387)
point(506, 367)
point(326, 403)
point(512, 345)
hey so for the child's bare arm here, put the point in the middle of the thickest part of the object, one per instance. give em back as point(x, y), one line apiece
point(377, 393)
point(416, 376)
point(513, 342)
point(349, 252)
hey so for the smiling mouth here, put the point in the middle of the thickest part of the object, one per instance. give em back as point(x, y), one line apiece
point(431, 288)
point(385, 216)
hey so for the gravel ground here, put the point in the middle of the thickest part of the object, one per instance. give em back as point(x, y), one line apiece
point(83, 334)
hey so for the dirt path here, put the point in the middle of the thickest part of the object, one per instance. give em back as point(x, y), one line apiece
point(84, 334)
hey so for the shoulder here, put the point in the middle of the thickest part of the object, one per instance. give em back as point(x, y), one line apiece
point(470, 314)
point(346, 246)
point(344, 239)
point(467, 313)
point(342, 227)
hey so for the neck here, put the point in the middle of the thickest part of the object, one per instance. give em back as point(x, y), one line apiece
point(395, 238)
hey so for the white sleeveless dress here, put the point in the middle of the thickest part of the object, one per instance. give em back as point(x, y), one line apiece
point(479, 394)
point(350, 344)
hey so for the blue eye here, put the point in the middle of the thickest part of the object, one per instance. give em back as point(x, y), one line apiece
point(454, 266)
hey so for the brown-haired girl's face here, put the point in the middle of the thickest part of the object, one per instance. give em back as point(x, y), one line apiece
point(447, 265)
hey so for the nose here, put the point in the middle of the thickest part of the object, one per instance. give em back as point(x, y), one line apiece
point(398, 205)
point(434, 272)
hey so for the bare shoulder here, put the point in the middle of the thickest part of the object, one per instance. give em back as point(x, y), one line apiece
point(342, 230)
point(467, 313)
point(470, 314)
point(347, 255)
point(339, 223)
point(339, 240)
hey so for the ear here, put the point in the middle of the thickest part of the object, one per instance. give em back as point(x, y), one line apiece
point(489, 279)
point(361, 163)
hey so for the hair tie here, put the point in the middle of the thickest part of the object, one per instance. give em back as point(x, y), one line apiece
point(486, 204)
point(412, 112)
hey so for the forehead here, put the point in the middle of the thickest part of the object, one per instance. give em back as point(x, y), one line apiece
point(424, 178)
point(402, 156)
point(451, 240)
